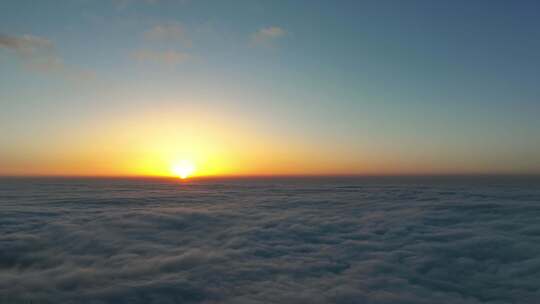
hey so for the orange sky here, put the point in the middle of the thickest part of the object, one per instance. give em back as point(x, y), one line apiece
point(150, 142)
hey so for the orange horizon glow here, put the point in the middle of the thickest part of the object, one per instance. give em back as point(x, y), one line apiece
point(151, 143)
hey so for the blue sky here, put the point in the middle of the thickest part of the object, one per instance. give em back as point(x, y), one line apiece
point(372, 86)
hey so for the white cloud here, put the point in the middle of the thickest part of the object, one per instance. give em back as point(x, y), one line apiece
point(265, 36)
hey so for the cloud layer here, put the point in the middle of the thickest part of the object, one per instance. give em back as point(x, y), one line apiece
point(272, 241)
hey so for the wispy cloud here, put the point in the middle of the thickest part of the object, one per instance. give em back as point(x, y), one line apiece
point(25, 45)
point(267, 35)
point(39, 54)
point(165, 43)
point(169, 57)
point(170, 32)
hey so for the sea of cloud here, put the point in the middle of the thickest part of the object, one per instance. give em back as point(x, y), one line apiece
point(269, 241)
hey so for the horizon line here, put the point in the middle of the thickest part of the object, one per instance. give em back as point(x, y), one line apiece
point(270, 176)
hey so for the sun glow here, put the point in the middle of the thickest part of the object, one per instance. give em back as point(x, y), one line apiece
point(183, 169)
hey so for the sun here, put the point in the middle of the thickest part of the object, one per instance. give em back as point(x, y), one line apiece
point(183, 169)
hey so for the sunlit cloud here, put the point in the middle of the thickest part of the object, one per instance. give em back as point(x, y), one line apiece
point(267, 35)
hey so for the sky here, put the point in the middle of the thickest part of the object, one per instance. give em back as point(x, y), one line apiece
point(136, 87)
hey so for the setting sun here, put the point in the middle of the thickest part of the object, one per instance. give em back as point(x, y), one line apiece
point(183, 169)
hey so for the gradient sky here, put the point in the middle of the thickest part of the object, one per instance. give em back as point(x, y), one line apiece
point(269, 87)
